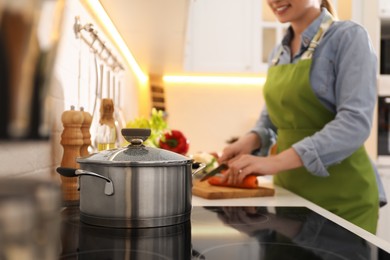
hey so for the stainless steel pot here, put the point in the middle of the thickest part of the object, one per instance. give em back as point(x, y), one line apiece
point(135, 186)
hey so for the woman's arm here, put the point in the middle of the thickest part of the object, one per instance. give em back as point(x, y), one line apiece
point(350, 81)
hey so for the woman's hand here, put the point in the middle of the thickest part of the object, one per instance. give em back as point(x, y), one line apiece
point(245, 145)
point(246, 164)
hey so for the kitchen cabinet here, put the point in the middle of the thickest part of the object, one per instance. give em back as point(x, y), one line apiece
point(238, 35)
point(222, 36)
point(384, 48)
point(384, 55)
point(384, 8)
point(271, 33)
point(349, 10)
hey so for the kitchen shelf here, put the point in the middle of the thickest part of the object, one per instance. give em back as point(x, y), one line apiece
point(96, 43)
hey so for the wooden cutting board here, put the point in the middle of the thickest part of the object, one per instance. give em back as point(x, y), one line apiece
point(207, 191)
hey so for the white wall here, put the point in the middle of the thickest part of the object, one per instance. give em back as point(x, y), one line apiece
point(39, 159)
point(209, 115)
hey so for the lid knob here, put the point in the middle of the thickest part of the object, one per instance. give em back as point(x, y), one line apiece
point(136, 136)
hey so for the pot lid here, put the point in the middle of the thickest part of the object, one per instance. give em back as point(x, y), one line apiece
point(136, 153)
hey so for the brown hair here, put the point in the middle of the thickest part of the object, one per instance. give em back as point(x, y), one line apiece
point(329, 6)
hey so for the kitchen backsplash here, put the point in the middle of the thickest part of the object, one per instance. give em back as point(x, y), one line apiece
point(40, 158)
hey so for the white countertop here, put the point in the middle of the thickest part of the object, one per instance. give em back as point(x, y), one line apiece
point(285, 198)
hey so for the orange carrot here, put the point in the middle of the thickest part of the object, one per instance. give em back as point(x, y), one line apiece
point(250, 182)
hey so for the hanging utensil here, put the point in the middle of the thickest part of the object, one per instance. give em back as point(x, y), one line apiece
point(108, 83)
point(79, 74)
point(106, 133)
point(119, 121)
point(119, 115)
point(101, 85)
point(96, 66)
point(87, 118)
point(99, 67)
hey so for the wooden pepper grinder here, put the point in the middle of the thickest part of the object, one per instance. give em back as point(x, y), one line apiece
point(85, 126)
point(71, 140)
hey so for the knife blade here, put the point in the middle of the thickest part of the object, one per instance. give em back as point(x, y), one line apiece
point(214, 172)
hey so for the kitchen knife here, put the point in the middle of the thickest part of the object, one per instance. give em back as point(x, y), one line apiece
point(214, 172)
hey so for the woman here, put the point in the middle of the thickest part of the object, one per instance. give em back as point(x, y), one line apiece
point(320, 96)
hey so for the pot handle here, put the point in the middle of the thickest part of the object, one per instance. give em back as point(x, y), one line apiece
point(66, 172)
point(70, 172)
point(108, 189)
point(200, 167)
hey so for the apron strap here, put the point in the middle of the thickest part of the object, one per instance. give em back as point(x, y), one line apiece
point(276, 58)
point(325, 24)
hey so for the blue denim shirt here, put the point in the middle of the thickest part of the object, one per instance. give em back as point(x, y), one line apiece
point(343, 77)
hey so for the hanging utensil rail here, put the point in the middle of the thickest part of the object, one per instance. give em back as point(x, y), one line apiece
point(96, 43)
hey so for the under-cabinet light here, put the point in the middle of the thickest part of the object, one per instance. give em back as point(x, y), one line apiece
point(215, 80)
point(100, 14)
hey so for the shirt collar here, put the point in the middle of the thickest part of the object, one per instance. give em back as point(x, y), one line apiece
point(308, 33)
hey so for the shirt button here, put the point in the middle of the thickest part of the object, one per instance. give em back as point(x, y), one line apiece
point(306, 41)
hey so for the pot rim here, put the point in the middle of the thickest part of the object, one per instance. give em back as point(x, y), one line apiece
point(136, 163)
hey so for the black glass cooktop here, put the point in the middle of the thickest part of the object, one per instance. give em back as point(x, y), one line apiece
point(220, 233)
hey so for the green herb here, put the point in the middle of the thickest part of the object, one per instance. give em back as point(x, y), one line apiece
point(156, 123)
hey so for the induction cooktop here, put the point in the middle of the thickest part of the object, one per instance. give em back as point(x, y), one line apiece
point(220, 233)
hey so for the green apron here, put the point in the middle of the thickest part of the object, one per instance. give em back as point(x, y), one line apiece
point(350, 191)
